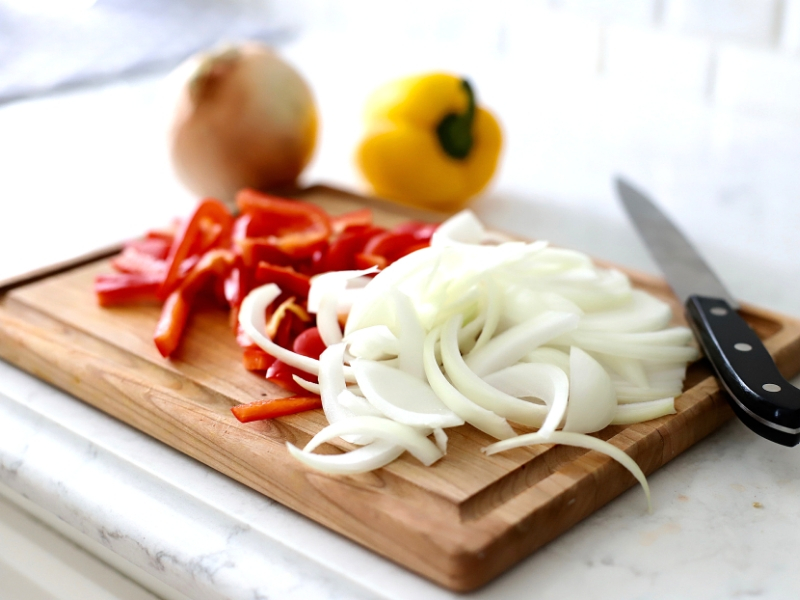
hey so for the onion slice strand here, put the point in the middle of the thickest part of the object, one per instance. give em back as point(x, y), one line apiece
point(579, 440)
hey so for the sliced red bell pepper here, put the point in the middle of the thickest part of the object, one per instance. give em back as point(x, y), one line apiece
point(286, 278)
point(256, 359)
point(122, 288)
point(277, 407)
point(157, 247)
point(294, 228)
point(309, 343)
point(134, 260)
point(165, 233)
point(420, 230)
point(172, 322)
point(175, 312)
point(282, 375)
point(194, 237)
point(356, 218)
point(385, 248)
point(238, 283)
point(390, 244)
point(340, 254)
point(366, 261)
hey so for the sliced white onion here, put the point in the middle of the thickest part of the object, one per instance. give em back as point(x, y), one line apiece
point(440, 438)
point(334, 281)
point(476, 389)
point(410, 335)
point(361, 460)
point(510, 346)
point(580, 440)
point(630, 348)
point(536, 380)
point(357, 404)
point(332, 385)
point(379, 428)
point(628, 394)
point(592, 399)
point(372, 305)
point(492, 314)
point(628, 414)
point(520, 304)
point(474, 329)
point(630, 369)
point(307, 385)
point(402, 397)
point(477, 416)
point(375, 343)
point(328, 318)
point(642, 313)
point(462, 228)
point(550, 356)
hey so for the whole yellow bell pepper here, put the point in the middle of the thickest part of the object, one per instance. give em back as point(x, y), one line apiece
point(427, 143)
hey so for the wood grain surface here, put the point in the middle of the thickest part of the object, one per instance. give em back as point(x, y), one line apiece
point(459, 523)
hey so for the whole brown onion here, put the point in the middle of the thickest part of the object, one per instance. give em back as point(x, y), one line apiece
point(244, 117)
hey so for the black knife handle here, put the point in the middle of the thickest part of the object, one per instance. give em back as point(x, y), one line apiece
point(757, 392)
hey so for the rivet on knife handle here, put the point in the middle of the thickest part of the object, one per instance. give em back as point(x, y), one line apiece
point(758, 393)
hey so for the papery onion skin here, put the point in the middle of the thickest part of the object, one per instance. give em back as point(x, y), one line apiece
point(244, 118)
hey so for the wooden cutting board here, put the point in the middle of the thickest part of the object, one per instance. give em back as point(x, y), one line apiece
point(460, 523)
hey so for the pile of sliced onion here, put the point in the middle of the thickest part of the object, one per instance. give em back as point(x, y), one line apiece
point(482, 330)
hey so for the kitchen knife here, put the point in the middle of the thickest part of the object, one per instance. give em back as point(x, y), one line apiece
point(757, 392)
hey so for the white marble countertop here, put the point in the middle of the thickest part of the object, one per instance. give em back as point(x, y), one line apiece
point(725, 512)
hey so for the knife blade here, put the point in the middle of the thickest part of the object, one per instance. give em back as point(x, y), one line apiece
point(759, 395)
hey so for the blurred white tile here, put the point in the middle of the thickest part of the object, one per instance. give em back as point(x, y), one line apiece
point(757, 80)
point(554, 42)
point(632, 12)
point(468, 26)
point(750, 21)
point(657, 61)
point(790, 26)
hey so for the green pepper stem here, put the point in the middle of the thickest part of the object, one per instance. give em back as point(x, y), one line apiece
point(455, 130)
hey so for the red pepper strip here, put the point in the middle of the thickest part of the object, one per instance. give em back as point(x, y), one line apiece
point(186, 238)
point(385, 248)
point(175, 312)
point(281, 374)
point(251, 247)
point(238, 284)
point(121, 288)
point(286, 278)
point(134, 260)
point(277, 407)
point(413, 248)
point(172, 322)
point(340, 255)
point(421, 231)
point(390, 245)
point(295, 228)
point(157, 247)
point(309, 343)
point(256, 359)
point(366, 261)
point(361, 217)
point(165, 233)
point(242, 338)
